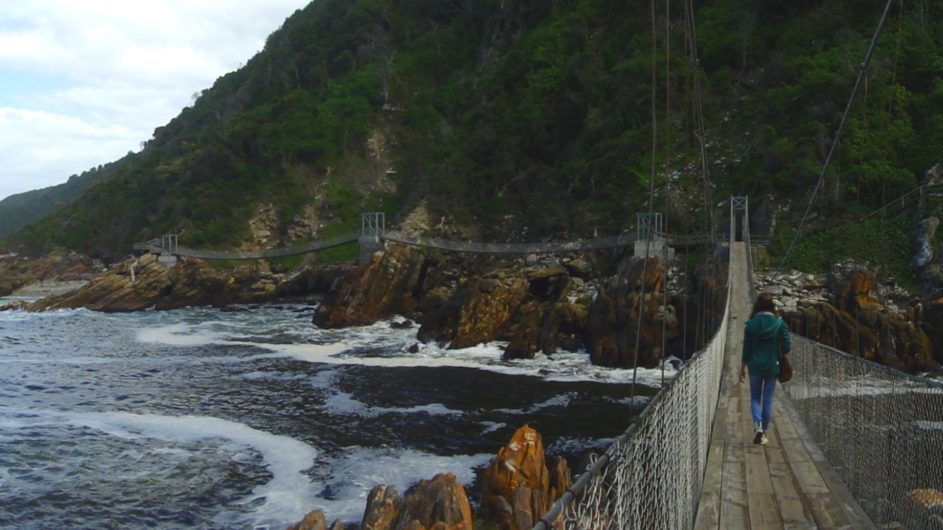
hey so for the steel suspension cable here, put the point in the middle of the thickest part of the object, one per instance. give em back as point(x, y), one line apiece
point(651, 198)
point(838, 133)
point(664, 289)
point(699, 119)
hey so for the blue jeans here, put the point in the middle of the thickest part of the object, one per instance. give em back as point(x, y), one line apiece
point(761, 399)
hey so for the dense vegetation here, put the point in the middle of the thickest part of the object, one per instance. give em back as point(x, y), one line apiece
point(17, 211)
point(529, 120)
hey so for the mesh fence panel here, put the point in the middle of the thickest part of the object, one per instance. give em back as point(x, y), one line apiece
point(294, 250)
point(651, 476)
point(880, 429)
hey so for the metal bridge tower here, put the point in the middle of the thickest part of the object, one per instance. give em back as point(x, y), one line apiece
point(372, 228)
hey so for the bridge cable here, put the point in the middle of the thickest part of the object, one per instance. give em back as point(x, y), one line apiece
point(664, 287)
point(651, 199)
point(698, 105)
point(838, 133)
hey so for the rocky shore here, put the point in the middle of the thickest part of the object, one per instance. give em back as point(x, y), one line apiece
point(535, 304)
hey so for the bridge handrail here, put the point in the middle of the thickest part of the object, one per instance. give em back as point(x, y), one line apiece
point(906, 198)
point(511, 248)
point(293, 250)
point(879, 428)
point(609, 493)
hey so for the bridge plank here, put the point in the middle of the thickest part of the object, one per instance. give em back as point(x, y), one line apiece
point(795, 513)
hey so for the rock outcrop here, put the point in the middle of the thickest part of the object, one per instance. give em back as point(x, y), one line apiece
point(924, 508)
point(476, 313)
point(439, 503)
point(142, 283)
point(612, 326)
point(18, 272)
point(845, 311)
point(518, 488)
point(316, 521)
point(392, 283)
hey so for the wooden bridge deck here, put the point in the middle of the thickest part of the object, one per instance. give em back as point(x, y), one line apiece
point(785, 484)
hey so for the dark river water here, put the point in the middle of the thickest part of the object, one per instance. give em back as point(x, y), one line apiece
point(199, 418)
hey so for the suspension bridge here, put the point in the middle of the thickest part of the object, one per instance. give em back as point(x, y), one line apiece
point(853, 444)
point(850, 442)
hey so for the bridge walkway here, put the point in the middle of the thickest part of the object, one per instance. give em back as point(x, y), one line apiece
point(785, 484)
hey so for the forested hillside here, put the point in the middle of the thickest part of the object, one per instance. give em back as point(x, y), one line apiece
point(17, 211)
point(527, 120)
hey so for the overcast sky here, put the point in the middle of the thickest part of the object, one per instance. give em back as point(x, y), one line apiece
point(82, 82)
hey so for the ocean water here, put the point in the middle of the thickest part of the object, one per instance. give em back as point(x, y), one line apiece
point(199, 418)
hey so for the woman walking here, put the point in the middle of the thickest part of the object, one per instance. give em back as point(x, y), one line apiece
point(763, 336)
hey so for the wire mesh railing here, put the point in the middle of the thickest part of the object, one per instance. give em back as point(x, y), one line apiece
point(880, 429)
point(293, 250)
point(561, 247)
point(651, 475)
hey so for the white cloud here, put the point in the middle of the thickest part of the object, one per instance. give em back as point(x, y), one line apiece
point(86, 82)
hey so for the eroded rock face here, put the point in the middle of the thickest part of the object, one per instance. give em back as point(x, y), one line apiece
point(384, 505)
point(17, 272)
point(440, 502)
point(925, 507)
point(613, 321)
point(392, 283)
point(138, 284)
point(437, 503)
point(518, 487)
point(476, 313)
point(316, 521)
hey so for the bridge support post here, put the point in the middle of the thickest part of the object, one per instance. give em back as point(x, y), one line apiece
point(372, 230)
point(168, 249)
point(739, 218)
point(650, 238)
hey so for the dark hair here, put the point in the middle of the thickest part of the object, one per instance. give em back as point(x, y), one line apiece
point(764, 302)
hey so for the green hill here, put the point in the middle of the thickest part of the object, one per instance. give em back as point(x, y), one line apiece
point(21, 209)
point(525, 119)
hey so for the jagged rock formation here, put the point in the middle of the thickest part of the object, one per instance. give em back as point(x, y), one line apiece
point(854, 320)
point(536, 306)
point(518, 487)
point(18, 272)
point(436, 504)
point(134, 285)
point(476, 313)
point(613, 322)
point(388, 285)
point(926, 508)
point(316, 521)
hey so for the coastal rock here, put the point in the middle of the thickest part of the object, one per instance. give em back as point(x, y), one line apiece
point(922, 242)
point(874, 335)
point(613, 321)
point(316, 521)
point(475, 313)
point(390, 284)
point(384, 505)
point(850, 288)
point(543, 327)
point(437, 503)
point(46, 273)
point(924, 508)
point(141, 283)
point(931, 322)
point(518, 488)
point(310, 280)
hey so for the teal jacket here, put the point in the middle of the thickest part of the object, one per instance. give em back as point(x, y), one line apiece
point(762, 337)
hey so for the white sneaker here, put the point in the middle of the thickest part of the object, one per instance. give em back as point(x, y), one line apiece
point(759, 438)
point(763, 439)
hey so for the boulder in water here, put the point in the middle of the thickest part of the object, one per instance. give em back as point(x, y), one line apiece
point(518, 487)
